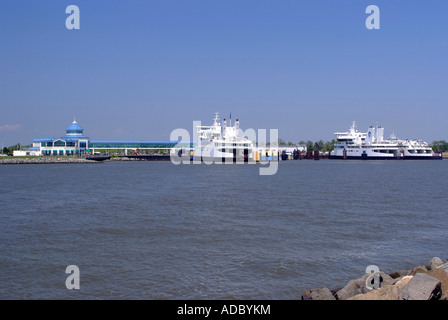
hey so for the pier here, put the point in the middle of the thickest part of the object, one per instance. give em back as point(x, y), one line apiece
point(222, 141)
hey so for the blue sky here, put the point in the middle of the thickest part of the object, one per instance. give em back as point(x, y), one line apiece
point(136, 70)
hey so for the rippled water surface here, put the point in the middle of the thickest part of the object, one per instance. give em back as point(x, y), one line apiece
point(154, 230)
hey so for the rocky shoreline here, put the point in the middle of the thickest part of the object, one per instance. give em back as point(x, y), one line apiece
point(44, 160)
point(53, 160)
point(429, 282)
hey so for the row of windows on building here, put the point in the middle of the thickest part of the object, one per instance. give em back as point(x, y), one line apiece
point(59, 152)
point(60, 143)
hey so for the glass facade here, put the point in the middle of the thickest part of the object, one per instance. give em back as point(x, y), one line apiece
point(74, 131)
point(59, 143)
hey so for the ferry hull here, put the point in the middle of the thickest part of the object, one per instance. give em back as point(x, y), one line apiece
point(149, 157)
point(98, 158)
point(221, 160)
point(386, 158)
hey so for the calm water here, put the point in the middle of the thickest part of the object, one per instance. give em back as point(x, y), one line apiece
point(153, 230)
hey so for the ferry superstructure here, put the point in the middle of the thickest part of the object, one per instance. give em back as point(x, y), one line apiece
point(221, 142)
point(354, 144)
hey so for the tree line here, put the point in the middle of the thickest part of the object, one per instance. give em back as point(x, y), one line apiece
point(9, 150)
point(321, 145)
point(440, 146)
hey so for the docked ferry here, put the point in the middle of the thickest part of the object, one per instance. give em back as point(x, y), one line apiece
point(372, 145)
point(222, 142)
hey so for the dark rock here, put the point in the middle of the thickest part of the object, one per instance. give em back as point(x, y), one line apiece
point(399, 274)
point(334, 291)
point(421, 287)
point(318, 294)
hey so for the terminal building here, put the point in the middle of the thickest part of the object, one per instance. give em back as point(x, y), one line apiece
point(74, 142)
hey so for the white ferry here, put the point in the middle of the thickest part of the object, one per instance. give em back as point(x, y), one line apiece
point(221, 142)
point(372, 145)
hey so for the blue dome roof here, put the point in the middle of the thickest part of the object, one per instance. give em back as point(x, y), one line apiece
point(74, 127)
